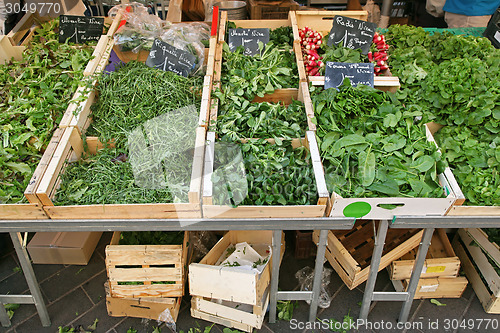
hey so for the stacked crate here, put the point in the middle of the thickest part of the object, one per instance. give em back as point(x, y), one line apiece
point(232, 296)
point(439, 277)
point(145, 281)
point(481, 262)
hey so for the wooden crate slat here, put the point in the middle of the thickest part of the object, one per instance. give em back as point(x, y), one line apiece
point(474, 211)
point(489, 301)
point(441, 287)
point(143, 255)
point(152, 290)
point(481, 238)
point(221, 321)
point(156, 274)
point(481, 260)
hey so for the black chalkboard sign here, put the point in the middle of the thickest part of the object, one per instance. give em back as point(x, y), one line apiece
point(336, 72)
point(168, 58)
point(248, 38)
point(80, 29)
point(352, 33)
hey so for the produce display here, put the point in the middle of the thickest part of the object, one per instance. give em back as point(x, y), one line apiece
point(129, 97)
point(372, 147)
point(454, 81)
point(274, 173)
point(316, 53)
point(34, 94)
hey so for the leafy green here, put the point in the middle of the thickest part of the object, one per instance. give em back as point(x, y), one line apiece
point(285, 309)
point(34, 94)
point(372, 147)
point(238, 118)
point(276, 174)
point(249, 76)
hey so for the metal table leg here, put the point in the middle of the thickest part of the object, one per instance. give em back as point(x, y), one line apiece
point(374, 264)
point(273, 299)
point(29, 274)
point(4, 317)
point(318, 274)
point(415, 275)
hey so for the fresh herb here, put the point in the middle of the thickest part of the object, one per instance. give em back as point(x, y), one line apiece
point(372, 147)
point(131, 330)
point(10, 308)
point(239, 119)
point(276, 174)
point(260, 262)
point(436, 302)
point(34, 94)
point(234, 264)
point(344, 326)
point(281, 35)
point(249, 76)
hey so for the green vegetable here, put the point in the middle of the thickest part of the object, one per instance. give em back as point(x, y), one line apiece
point(34, 94)
point(285, 309)
point(372, 147)
point(238, 119)
point(249, 76)
point(127, 99)
point(436, 302)
point(276, 174)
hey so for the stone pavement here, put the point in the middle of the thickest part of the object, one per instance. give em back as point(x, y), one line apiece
point(75, 296)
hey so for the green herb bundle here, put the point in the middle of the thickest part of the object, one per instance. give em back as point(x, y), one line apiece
point(276, 174)
point(372, 147)
point(34, 94)
point(239, 119)
point(249, 76)
point(128, 98)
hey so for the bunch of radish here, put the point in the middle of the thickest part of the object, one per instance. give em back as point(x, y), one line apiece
point(310, 42)
point(379, 57)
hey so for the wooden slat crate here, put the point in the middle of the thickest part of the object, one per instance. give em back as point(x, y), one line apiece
point(476, 253)
point(229, 313)
point(71, 147)
point(349, 252)
point(232, 283)
point(210, 210)
point(161, 269)
point(406, 206)
point(143, 307)
point(384, 83)
point(441, 260)
point(270, 10)
point(439, 287)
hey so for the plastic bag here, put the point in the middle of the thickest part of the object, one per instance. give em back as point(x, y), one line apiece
point(140, 29)
point(189, 37)
point(202, 242)
point(306, 277)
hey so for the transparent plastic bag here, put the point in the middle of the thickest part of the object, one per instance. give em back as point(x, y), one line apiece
point(140, 29)
point(189, 37)
point(306, 277)
point(202, 242)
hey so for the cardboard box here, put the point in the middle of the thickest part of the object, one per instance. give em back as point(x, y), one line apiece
point(68, 248)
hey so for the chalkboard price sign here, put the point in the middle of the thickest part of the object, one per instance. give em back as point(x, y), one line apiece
point(248, 38)
point(168, 58)
point(80, 29)
point(352, 33)
point(336, 72)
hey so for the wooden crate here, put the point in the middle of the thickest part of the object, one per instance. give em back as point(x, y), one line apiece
point(405, 206)
point(169, 264)
point(270, 10)
point(439, 287)
point(143, 307)
point(231, 314)
point(71, 147)
point(350, 251)
point(441, 260)
point(232, 283)
point(475, 252)
point(211, 210)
